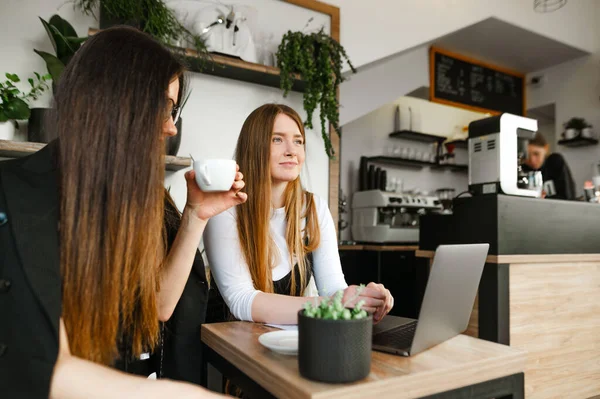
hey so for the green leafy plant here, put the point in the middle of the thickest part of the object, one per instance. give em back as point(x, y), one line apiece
point(65, 43)
point(150, 16)
point(334, 309)
point(14, 103)
point(318, 59)
point(576, 123)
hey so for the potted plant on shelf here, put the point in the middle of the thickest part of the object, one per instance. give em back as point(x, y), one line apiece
point(14, 103)
point(318, 58)
point(150, 16)
point(65, 43)
point(334, 342)
point(573, 128)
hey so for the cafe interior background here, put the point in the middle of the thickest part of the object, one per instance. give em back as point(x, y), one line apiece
point(389, 42)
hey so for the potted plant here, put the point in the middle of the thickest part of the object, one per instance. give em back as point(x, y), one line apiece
point(318, 58)
point(14, 103)
point(65, 43)
point(334, 342)
point(150, 16)
point(573, 128)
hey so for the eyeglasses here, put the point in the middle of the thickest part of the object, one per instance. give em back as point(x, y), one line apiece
point(173, 111)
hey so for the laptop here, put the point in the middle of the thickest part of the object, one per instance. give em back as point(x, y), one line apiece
point(447, 303)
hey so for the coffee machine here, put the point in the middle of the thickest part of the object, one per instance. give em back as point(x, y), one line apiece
point(387, 217)
point(497, 150)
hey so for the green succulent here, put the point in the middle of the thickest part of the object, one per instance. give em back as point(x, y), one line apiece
point(14, 103)
point(334, 309)
point(65, 43)
point(318, 58)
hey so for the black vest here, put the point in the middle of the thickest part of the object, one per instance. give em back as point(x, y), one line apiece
point(30, 286)
point(219, 312)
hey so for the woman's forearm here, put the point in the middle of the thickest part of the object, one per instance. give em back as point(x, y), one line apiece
point(278, 309)
point(77, 378)
point(180, 258)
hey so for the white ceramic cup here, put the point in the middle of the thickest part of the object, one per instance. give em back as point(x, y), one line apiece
point(215, 174)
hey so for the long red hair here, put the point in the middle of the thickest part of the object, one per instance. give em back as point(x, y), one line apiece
point(253, 154)
point(109, 110)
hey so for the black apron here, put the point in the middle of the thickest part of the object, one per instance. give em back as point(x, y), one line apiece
point(219, 312)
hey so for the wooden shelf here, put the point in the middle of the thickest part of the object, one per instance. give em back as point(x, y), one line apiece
point(413, 163)
point(228, 67)
point(396, 161)
point(417, 136)
point(453, 168)
point(578, 142)
point(17, 149)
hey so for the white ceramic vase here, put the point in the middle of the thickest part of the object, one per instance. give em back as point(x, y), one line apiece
point(7, 130)
point(571, 133)
point(587, 132)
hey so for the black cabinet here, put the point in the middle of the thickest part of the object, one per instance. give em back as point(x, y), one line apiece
point(400, 271)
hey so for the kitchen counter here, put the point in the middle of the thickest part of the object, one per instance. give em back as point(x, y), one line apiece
point(545, 303)
point(375, 247)
point(516, 225)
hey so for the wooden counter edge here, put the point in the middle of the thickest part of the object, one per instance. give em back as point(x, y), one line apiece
point(430, 383)
point(246, 363)
point(543, 258)
point(381, 248)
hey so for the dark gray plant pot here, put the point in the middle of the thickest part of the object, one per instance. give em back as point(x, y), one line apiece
point(173, 142)
point(35, 129)
point(334, 351)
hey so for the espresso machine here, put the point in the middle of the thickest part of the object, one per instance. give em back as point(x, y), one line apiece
point(387, 217)
point(497, 150)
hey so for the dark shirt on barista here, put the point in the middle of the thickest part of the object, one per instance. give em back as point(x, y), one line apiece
point(556, 170)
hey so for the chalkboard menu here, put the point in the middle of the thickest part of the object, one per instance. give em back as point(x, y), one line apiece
point(463, 82)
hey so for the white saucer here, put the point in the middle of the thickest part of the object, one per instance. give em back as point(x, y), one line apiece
point(284, 342)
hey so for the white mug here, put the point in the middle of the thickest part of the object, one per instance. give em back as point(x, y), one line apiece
point(215, 174)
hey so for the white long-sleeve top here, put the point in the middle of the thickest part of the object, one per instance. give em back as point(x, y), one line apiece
point(230, 269)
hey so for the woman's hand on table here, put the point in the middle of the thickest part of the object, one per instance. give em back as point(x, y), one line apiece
point(377, 299)
point(388, 302)
point(205, 205)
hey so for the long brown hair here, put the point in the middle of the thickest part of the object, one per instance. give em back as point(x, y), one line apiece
point(109, 110)
point(253, 153)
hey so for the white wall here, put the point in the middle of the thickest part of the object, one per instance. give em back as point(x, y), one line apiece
point(371, 30)
point(384, 82)
point(575, 89)
point(216, 109)
point(368, 136)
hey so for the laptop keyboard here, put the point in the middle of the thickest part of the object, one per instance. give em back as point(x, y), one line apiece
point(400, 337)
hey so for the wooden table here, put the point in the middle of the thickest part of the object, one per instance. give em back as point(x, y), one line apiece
point(463, 367)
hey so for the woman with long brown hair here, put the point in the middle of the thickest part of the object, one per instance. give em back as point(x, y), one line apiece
point(94, 255)
point(264, 253)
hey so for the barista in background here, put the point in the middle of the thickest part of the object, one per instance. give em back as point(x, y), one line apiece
point(554, 168)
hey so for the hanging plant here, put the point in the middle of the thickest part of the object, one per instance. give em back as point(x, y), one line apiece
point(318, 58)
point(149, 16)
